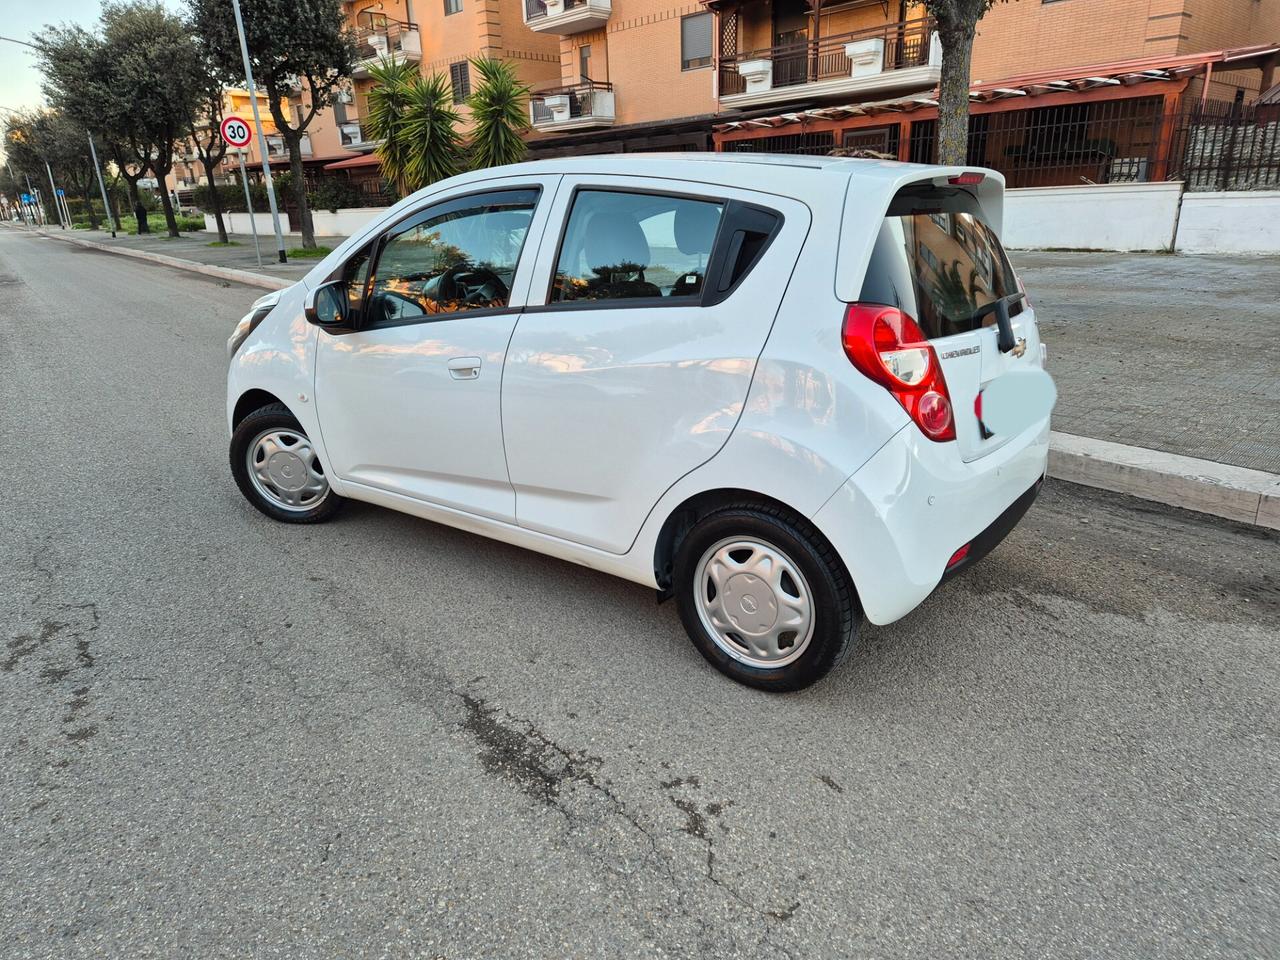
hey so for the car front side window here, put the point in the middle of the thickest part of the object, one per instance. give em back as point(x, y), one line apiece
point(456, 257)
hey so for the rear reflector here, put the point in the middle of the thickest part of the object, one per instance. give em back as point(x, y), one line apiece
point(966, 179)
point(891, 349)
point(958, 556)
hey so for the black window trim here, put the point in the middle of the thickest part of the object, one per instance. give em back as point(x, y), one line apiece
point(707, 297)
point(408, 222)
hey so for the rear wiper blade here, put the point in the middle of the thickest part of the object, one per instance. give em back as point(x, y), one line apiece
point(1005, 339)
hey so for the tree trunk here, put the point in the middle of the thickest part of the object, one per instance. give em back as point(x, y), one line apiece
point(166, 201)
point(88, 203)
point(135, 201)
point(305, 225)
point(215, 200)
point(953, 92)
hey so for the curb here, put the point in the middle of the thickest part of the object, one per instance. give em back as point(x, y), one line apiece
point(1220, 489)
point(191, 266)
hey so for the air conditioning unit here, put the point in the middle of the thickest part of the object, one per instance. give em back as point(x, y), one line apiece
point(346, 96)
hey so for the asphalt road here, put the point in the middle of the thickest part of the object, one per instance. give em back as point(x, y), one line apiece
point(222, 737)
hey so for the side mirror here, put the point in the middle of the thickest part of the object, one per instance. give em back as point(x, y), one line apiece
point(326, 306)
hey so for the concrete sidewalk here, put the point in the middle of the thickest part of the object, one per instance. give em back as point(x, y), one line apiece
point(195, 247)
point(1168, 368)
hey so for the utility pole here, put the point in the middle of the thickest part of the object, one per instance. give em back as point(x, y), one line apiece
point(57, 204)
point(106, 204)
point(262, 140)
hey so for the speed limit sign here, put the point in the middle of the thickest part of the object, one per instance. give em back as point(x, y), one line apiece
point(236, 132)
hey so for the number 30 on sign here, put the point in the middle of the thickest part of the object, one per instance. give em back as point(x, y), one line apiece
point(236, 132)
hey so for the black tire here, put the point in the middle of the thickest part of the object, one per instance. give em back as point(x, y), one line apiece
point(836, 613)
point(275, 415)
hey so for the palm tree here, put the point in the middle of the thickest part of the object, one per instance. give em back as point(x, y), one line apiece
point(388, 100)
point(499, 115)
point(431, 127)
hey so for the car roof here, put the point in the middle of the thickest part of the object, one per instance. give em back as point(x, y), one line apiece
point(787, 174)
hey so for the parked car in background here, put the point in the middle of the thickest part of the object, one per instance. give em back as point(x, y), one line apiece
point(751, 382)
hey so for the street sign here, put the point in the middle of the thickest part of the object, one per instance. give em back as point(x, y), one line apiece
point(236, 132)
point(26, 198)
point(61, 192)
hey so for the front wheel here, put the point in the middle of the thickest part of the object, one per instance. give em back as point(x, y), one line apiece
point(277, 469)
point(764, 597)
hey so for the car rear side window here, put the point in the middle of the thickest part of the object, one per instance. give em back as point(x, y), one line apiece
point(937, 260)
point(620, 245)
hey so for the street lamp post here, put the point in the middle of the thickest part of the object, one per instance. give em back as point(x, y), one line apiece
point(106, 204)
point(262, 140)
point(57, 204)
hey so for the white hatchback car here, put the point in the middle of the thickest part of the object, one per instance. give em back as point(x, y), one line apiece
point(752, 382)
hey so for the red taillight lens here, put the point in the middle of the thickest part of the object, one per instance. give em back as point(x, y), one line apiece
point(890, 348)
point(958, 556)
point(966, 179)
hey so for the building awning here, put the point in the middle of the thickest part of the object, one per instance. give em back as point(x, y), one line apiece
point(1121, 73)
point(355, 163)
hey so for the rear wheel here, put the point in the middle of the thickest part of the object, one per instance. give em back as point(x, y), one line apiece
point(278, 470)
point(764, 597)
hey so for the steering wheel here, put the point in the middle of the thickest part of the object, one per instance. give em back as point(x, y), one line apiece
point(471, 285)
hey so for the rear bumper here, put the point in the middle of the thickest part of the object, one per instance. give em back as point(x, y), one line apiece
point(898, 520)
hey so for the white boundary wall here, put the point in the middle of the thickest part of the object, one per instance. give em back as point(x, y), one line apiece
point(1245, 221)
point(344, 222)
point(1113, 216)
point(239, 223)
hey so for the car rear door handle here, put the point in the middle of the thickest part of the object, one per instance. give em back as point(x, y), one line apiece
point(464, 368)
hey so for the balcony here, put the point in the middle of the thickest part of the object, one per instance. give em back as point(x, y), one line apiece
point(579, 107)
point(566, 16)
point(355, 136)
point(277, 149)
point(864, 64)
point(386, 39)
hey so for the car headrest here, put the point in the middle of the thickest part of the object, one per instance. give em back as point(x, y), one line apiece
point(614, 238)
point(695, 227)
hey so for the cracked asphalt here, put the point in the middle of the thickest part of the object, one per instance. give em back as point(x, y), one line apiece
point(222, 737)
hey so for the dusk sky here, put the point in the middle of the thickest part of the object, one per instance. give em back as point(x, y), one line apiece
point(19, 19)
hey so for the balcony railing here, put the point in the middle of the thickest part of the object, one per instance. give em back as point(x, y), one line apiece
point(861, 53)
point(355, 136)
point(386, 38)
point(566, 16)
point(589, 103)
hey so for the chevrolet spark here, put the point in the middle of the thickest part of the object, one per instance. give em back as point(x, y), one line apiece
point(751, 382)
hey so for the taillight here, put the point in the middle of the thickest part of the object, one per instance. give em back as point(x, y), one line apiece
point(966, 179)
point(890, 348)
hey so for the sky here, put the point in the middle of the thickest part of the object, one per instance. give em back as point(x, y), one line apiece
point(19, 19)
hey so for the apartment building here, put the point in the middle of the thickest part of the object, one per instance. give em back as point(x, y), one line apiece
point(1064, 91)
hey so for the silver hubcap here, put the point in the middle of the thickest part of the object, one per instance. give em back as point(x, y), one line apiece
point(755, 602)
point(285, 469)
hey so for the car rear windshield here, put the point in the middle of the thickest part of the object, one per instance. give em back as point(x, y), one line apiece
point(937, 260)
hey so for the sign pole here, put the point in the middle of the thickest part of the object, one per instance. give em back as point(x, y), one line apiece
point(35, 199)
point(57, 206)
point(262, 140)
point(106, 204)
point(248, 205)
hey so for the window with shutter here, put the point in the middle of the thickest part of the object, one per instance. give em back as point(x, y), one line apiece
point(460, 78)
point(695, 40)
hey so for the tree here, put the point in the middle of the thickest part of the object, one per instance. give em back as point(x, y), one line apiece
point(414, 119)
point(388, 102)
point(204, 123)
point(957, 25)
point(499, 115)
point(132, 82)
point(295, 46)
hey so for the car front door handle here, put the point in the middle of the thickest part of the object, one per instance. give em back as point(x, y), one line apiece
point(464, 368)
